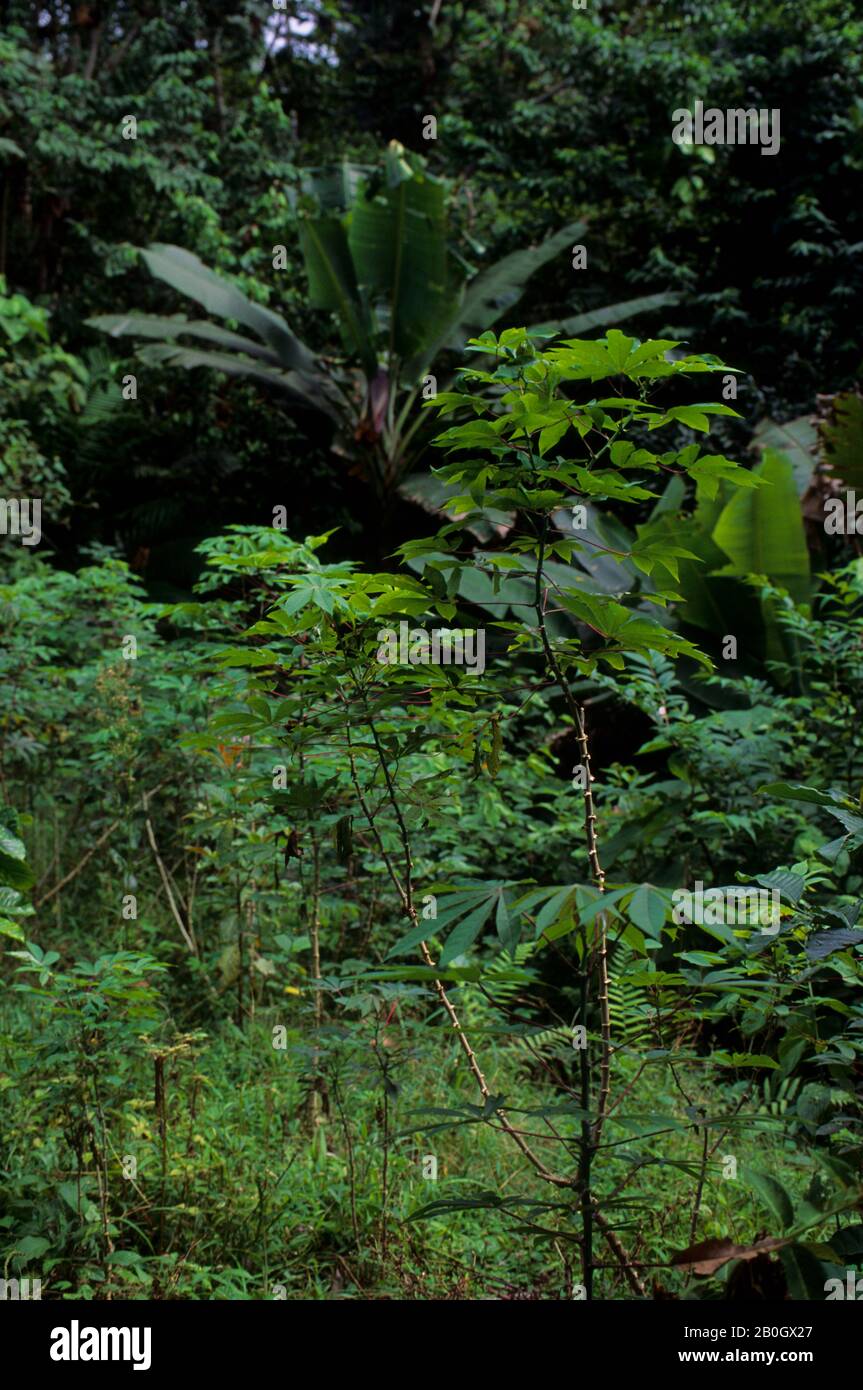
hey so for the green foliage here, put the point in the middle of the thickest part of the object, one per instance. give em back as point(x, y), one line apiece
point(464, 915)
point(377, 257)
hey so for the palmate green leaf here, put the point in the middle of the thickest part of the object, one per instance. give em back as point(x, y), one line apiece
point(475, 434)
point(465, 933)
point(552, 434)
point(743, 1059)
point(583, 361)
point(648, 909)
point(484, 1201)
point(456, 1116)
point(619, 355)
point(553, 909)
point(695, 416)
point(508, 926)
point(424, 974)
point(237, 657)
point(465, 910)
point(712, 469)
point(626, 630)
point(603, 483)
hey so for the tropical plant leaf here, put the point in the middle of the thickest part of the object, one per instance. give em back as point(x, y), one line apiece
point(398, 245)
point(608, 315)
point(761, 530)
point(498, 288)
point(825, 942)
point(310, 391)
point(185, 272)
point(152, 326)
point(773, 1195)
point(796, 440)
point(333, 284)
point(804, 1272)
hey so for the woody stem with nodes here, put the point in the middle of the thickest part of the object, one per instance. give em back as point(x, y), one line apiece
point(595, 960)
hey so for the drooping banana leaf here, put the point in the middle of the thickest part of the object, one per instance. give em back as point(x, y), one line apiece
point(310, 390)
point(608, 315)
point(183, 271)
point(496, 289)
point(152, 326)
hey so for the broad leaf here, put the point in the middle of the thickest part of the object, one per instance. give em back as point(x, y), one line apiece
point(185, 272)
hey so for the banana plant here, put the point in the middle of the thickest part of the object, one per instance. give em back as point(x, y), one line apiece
point(376, 249)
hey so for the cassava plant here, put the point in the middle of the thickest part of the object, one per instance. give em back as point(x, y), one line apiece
point(328, 674)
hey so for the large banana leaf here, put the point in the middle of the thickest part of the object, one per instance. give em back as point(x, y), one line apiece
point(152, 326)
point(797, 440)
point(333, 284)
point(489, 295)
point(734, 539)
point(761, 529)
point(496, 289)
point(280, 360)
point(608, 315)
point(398, 244)
point(186, 273)
point(312, 391)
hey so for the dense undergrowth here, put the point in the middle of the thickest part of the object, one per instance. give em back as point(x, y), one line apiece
point(219, 1082)
point(340, 960)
